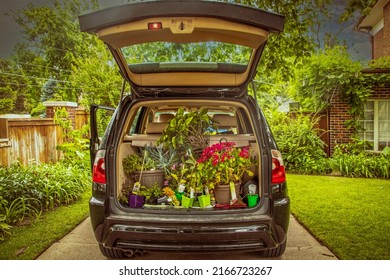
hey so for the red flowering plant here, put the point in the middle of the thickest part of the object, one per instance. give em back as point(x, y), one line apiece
point(223, 163)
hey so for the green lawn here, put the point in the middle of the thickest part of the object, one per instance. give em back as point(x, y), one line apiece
point(28, 242)
point(351, 216)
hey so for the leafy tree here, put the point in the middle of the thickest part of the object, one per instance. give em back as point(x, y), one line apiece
point(7, 88)
point(327, 73)
point(360, 7)
point(287, 49)
point(54, 33)
point(96, 77)
point(50, 46)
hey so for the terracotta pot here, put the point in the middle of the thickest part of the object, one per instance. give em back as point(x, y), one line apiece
point(222, 193)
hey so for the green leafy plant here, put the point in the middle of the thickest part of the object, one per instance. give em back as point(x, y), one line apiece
point(185, 174)
point(331, 72)
point(360, 164)
point(137, 162)
point(5, 228)
point(152, 192)
point(132, 163)
point(76, 145)
point(163, 159)
point(4, 225)
point(326, 74)
point(299, 143)
point(16, 211)
point(186, 131)
point(26, 191)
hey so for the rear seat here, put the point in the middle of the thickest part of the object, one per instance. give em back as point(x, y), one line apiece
point(155, 127)
point(225, 124)
point(164, 118)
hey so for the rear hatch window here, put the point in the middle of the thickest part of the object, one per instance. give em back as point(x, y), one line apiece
point(211, 56)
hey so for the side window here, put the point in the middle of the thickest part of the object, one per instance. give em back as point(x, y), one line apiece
point(245, 125)
point(135, 124)
point(103, 118)
point(100, 117)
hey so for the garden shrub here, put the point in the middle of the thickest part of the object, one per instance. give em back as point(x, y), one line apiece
point(353, 161)
point(299, 143)
point(76, 143)
point(26, 191)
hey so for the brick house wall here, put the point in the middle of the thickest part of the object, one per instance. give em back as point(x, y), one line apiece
point(377, 45)
point(338, 131)
point(377, 24)
point(338, 114)
point(381, 93)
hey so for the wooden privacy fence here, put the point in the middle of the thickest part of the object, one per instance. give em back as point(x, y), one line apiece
point(81, 118)
point(30, 140)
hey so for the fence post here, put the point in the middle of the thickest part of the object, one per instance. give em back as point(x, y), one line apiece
point(69, 106)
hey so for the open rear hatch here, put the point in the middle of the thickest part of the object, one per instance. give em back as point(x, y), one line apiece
point(184, 43)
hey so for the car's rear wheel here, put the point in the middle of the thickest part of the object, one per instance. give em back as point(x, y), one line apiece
point(112, 253)
point(274, 252)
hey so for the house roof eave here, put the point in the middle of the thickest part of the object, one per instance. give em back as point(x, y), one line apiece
point(376, 71)
point(367, 22)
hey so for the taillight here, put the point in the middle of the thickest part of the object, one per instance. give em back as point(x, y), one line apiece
point(99, 171)
point(278, 171)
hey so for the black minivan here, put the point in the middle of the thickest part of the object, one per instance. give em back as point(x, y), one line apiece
point(186, 61)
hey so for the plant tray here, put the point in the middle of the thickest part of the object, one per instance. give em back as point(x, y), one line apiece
point(228, 206)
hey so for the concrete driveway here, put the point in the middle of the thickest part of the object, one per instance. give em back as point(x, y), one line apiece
point(80, 244)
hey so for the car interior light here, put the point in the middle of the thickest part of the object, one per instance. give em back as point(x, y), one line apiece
point(154, 25)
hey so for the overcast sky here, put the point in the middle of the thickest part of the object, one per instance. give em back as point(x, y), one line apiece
point(359, 43)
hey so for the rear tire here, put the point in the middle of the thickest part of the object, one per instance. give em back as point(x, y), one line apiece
point(112, 253)
point(274, 252)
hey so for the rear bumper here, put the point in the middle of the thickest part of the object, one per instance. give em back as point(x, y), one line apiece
point(183, 237)
point(226, 232)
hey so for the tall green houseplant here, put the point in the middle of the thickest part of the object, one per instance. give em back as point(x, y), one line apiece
point(186, 131)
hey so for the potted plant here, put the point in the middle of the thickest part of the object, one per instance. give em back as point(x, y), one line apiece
point(187, 182)
point(142, 168)
point(178, 176)
point(152, 194)
point(171, 194)
point(222, 167)
point(136, 197)
point(162, 159)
